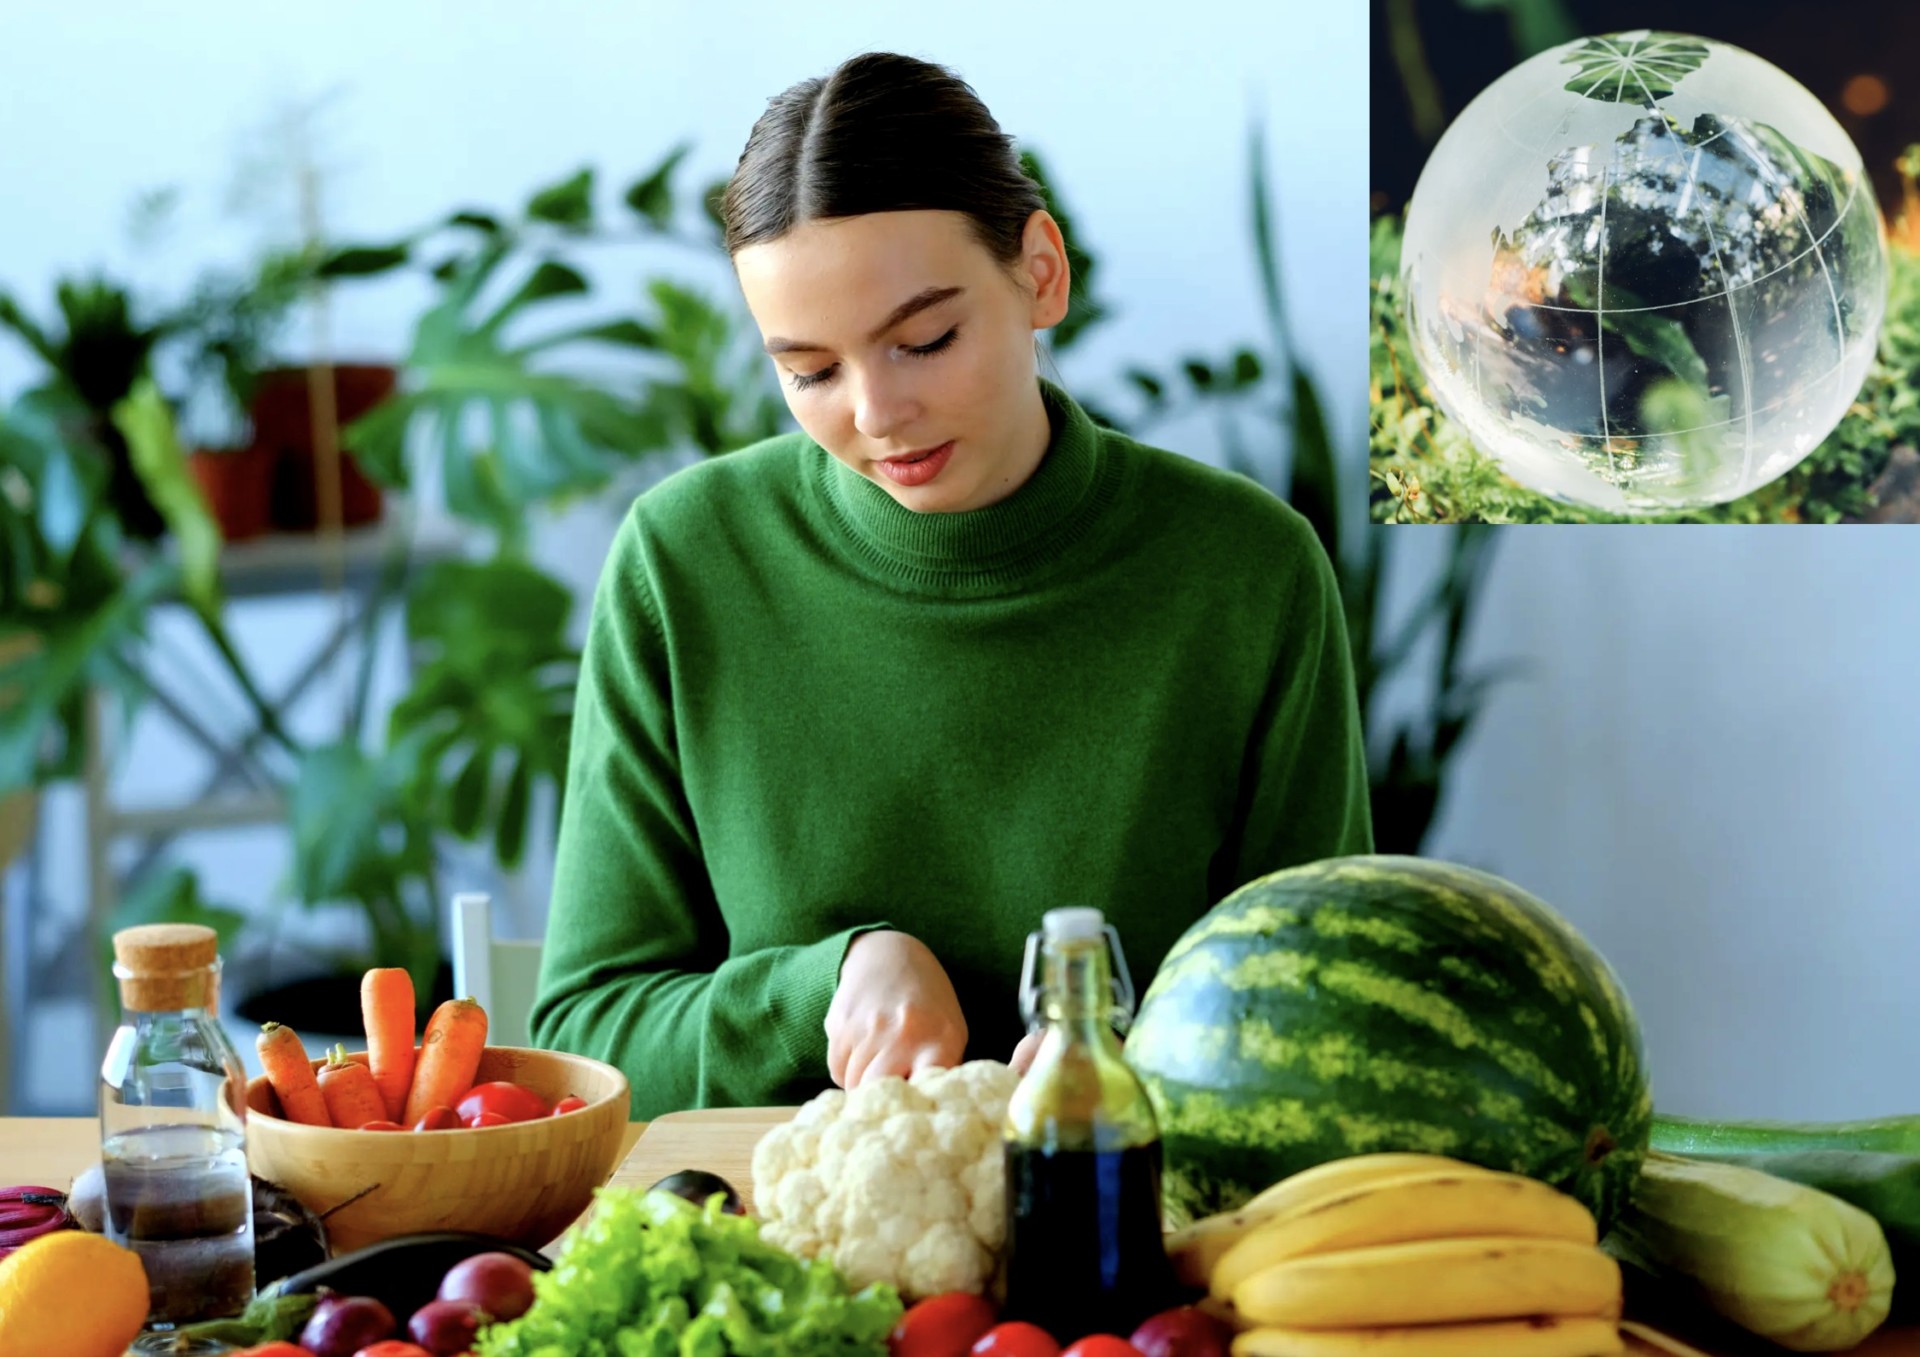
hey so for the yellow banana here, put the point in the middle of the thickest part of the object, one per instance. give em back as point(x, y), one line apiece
point(1541, 1336)
point(1197, 1249)
point(1444, 1205)
point(1433, 1281)
point(1336, 1175)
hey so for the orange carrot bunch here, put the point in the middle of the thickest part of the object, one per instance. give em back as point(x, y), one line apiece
point(395, 1083)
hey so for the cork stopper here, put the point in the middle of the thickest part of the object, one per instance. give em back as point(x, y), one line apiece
point(163, 968)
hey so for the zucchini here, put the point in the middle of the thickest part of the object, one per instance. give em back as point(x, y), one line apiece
point(1885, 1186)
point(1782, 1260)
point(1698, 1136)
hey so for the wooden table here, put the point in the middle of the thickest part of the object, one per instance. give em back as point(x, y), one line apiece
point(49, 1151)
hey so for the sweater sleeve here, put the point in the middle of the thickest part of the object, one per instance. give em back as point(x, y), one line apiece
point(635, 969)
point(1303, 789)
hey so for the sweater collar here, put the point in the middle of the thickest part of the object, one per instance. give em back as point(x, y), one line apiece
point(1051, 510)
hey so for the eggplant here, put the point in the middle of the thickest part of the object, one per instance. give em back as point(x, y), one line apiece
point(696, 1185)
point(287, 1237)
point(403, 1273)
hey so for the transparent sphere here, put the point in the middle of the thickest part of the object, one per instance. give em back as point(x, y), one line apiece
point(1645, 272)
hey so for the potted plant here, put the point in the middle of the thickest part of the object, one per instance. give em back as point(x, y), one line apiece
point(230, 328)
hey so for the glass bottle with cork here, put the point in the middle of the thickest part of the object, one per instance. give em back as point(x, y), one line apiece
point(1085, 1251)
point(173, 1134)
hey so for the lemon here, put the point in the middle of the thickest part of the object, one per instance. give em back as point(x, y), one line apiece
point(72, 1294)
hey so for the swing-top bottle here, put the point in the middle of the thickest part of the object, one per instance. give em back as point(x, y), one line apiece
point(1085, 1252)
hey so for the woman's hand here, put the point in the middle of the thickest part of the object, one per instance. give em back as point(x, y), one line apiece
point(893, 1012)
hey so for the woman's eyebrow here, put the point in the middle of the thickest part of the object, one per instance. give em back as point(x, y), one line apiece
point(913, 306)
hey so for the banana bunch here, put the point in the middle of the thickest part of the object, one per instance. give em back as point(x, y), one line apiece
point(1413, 1255)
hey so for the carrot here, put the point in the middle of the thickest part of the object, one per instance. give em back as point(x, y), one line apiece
point(386, 1005)
point(449, 1058)
point(290, 1072)
point(353, 1099)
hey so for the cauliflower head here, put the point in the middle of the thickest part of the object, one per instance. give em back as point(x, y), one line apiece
point(899, 1181)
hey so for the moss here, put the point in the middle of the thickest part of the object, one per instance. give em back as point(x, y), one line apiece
point(1425, 470)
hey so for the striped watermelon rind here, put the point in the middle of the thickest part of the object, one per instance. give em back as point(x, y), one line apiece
point(1377, 1003)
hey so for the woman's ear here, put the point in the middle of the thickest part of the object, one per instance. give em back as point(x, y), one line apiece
point(1046, 269)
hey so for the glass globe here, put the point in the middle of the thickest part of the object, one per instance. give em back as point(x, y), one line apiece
point(1645, 272)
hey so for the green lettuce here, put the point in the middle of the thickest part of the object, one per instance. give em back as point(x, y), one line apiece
point(650, 1274)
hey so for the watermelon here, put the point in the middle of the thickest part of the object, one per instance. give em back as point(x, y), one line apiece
point(1364, 1004)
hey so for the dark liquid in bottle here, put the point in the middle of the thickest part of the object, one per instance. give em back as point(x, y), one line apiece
point(1085, 1253)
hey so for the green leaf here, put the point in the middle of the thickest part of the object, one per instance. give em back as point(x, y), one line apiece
point(712, 201)
point(1314, 488)
point(652, 196)
point(1266, 246)
point(628, 333)
point(550, 278)
point(1148, 384)
point(364, 261)
point(146, 422)
point(510, 835)
point(484, 222)
point(1198, 373)
point(1246, 368)
point(568, 203)
point(469, 800)
point(1642, 69)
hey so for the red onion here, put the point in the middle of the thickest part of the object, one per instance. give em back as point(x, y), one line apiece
point(26, 1213)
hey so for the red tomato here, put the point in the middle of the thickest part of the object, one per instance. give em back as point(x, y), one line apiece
point(439, 1119)
point(1100, 1345)
point(275, 1350)
point(1016, 1340)
point(489, 1119)
point(509, 1100)
point(381, 1126)
point(391, 1347)
point(569, 1104)
point(941, 1326)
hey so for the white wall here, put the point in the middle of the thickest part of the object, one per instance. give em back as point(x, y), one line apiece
point(1713, 768)
point(433, 105)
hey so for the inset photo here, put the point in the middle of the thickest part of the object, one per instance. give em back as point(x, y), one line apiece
point(1622, 274)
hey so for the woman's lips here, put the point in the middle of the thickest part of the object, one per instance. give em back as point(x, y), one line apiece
point(918, 470)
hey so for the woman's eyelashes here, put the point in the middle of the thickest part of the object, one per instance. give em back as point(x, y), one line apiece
point(802, 381)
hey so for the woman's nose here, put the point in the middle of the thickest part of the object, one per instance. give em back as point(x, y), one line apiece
point(884, 406)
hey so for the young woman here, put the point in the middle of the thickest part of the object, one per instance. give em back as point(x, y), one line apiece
point(860, 703)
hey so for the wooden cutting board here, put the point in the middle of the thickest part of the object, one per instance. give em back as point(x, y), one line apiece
point(721, 1141)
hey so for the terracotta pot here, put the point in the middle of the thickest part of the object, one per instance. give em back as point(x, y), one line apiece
point(283, 425)
point(238, 484)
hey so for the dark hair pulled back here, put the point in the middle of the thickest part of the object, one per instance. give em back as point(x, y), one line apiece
point(880, 133)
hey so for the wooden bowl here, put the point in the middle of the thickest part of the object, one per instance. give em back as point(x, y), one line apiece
point(525, 1181)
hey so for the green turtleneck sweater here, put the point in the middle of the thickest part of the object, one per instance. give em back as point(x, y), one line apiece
point(806, 712)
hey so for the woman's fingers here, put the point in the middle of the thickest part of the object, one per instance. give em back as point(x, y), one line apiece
point(1023, 1053)
point(929, 1058)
